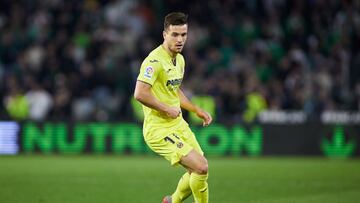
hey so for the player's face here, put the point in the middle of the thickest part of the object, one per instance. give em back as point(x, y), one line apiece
point(175, 37)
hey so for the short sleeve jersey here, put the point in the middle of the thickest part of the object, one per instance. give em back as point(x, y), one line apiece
point(165, 76)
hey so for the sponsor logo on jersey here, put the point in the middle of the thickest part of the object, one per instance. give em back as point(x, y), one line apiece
point(153, 61)
point(149, 72)
point(174, 82)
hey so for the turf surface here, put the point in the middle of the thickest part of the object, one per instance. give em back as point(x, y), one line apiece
point(124, 179)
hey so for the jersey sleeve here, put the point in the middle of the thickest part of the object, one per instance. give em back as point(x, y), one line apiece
point(149, 71)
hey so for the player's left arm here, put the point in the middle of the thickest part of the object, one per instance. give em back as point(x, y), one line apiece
point(185, 103)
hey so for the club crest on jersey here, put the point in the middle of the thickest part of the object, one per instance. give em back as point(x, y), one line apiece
point(149, 72)
point(180, 145)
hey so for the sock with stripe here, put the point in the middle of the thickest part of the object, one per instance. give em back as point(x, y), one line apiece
point(199, 187)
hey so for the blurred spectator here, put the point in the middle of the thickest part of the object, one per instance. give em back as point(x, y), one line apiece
point(254, 99)
point(62, 99)
point(39, 100)
point(15, 101)
point(357, 96)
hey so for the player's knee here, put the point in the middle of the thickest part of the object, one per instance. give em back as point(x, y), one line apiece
point(202, 168)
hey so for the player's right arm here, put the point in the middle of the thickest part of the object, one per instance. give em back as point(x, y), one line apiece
point(144, 95)
point(149, 72)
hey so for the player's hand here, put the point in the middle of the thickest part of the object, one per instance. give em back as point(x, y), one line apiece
point(205, 116)
point(172, 112)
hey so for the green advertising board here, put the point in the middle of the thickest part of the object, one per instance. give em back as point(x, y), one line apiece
point(335, 141)
point(127, 137)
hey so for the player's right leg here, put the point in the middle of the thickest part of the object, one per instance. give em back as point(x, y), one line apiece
point(167, 199)
point(183, 189)
point(198, 164)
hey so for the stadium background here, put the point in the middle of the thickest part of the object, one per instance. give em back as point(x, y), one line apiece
point(281, 78)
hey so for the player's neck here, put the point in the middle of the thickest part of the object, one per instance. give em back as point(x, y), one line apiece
point(171, 53)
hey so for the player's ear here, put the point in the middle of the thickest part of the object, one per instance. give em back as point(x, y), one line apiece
point(164, 34)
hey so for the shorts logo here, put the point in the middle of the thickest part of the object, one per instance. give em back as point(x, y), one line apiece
point(180, 145)
point(149, 72)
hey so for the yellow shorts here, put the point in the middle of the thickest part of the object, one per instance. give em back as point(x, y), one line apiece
point(173, 144)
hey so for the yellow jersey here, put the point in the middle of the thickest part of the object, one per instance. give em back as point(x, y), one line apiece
point(165, 76)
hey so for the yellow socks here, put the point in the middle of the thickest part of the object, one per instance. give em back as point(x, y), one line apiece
point(195, 184)
point(183, 190)
point(199, 187)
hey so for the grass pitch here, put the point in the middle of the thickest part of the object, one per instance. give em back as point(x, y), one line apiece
point(127, 179)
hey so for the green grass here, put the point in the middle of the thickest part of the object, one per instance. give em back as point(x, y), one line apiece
point(122, 179)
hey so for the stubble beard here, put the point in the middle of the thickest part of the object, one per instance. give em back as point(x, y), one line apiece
point(176, 50)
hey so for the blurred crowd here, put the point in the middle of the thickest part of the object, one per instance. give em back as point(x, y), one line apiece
point(78, 60)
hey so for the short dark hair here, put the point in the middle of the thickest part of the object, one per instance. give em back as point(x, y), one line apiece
point(175, 18)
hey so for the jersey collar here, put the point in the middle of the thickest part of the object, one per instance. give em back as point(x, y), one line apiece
point(165, 53)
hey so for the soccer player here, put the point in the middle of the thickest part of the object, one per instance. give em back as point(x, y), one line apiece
point(165, 131)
